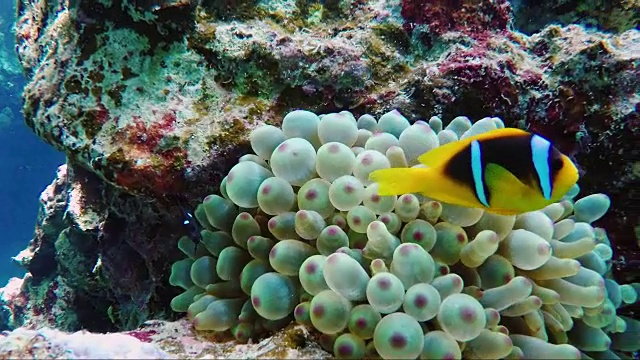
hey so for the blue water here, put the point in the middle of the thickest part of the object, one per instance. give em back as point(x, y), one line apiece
point(27, 164)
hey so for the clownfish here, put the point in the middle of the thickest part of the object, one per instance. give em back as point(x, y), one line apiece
point(505, 171)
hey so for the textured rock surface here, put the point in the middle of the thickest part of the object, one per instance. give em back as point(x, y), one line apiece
point(98, 257)
point(152, 104)
point(614, 15)
point(154, 340)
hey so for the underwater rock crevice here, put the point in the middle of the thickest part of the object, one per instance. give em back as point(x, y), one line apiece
point(97, 267)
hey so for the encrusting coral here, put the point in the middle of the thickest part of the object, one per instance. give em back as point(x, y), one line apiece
point(299, 233)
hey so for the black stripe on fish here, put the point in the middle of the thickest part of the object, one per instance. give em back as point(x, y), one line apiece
point(459, 168)
point(513, 153)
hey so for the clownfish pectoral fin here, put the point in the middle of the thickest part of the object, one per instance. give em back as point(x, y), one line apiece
point(499, 178)
point(505, 188)
point(398, 181)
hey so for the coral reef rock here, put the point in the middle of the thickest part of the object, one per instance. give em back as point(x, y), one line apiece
point(95, 262)
point(153, 102)
point(154, 340)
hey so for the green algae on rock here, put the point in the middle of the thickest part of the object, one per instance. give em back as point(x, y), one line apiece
point(505, 291)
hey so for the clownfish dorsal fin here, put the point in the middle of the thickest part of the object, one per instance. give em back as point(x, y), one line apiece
point(442, 154)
